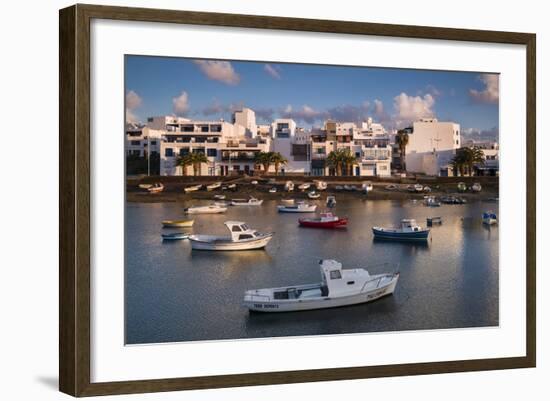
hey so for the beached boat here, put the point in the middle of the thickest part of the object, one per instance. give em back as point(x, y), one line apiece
point(208, 209)
point(213, 186)
point(476, 187)
point(219, 197)
point(145, 186)
point(272, 190)
point(174, 236)
point(287, 201)
point(367, 187)
point(320, 185)
point(241, 238)
point(289, 186)
point(432, 202)
point(297, 208)
point(418, 187)
point(232, 187)
point(430, 221)
point(304, 186)
point(391, 187)
point(339, 188)
point(331, 201)
point(313, 195)
point(461, 187)
point(489, 218)
point(246, 202)
point(254, 182)
point(427, 189)
point(178, 223)
point(325, 220)
point(155, 188)
point(408, 231)
point(192, 188)
point(452, 200)
point(338, 287)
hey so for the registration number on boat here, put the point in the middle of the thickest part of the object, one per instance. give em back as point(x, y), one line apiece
point(266, 306)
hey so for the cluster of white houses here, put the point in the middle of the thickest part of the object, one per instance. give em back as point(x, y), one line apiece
point(231, 147)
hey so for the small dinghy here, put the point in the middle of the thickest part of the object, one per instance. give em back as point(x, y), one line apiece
point(391, 187)
point(213, 186)
point(430, 221)
point(174, 236)
point(219, 197)
point(331, 201)
point(409, 231)
point(304, 186)
point(192, 188)
point(298, 208)
point(432, 202)
point(367, 187)
point(246, 202)
point(287, 202)
point(461, 187)
point(325, 220)
point(338, 287)
point(320, 185)
point(289, 186)
point(209, 209)
point(232, 187)
point(476, 187)
point(177, 223)
point(489, 218)
point(313, 195)
point(145, 186)
point(242, 238)
point(339, 188)
point(155, 188)
point(272, 190)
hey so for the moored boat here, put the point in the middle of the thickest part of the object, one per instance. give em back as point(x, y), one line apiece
point(338, 287)
point(408, 231)
point(304, 186)
point(461, 187)
point(178, 223)
point(219, 197)
point(313, 195)
point(287, 201)
point(289, 186)
point(431, 201)
point(320, 185)
point(489, 218)
point(246, 202)
point(325, 220)
point(174, 236)
point(272, 190)
point(232, 187)
point(241, 238)
point(367, 187)
point(208, 209)
point(192, 188)
point(155, 188)
point(145, 186)
point(391, 187)
point(430, 221)
point(476, 187)
point(297, 208)
point(331, 201)
point(213, 186)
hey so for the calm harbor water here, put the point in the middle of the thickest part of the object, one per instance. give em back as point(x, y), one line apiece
point(175, 294)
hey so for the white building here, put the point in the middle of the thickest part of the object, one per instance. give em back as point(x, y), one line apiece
point(293, 143)
point(432, 145)
point(246, 118)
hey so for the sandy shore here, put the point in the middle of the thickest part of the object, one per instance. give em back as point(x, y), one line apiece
point(173, 191)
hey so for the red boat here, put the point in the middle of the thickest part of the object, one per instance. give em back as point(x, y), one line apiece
point(325, 220)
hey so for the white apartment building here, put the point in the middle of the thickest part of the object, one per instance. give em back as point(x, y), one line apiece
point(293, 143)
point(432, 145)
point(247, 119)
point(141, 139)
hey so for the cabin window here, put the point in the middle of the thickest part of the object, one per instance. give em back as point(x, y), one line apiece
point(350, 282)
point(236, 229)
point(244, 227)
point(245, 236)
point(335, 275)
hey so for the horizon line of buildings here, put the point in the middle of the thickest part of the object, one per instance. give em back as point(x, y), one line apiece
point(231, 147)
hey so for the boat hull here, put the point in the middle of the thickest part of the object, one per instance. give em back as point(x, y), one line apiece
point(287, 209)
point(178, 224)
point(323, 224)
point(258, 243)
point(421, 235)
point(255, 304)
point(206, 211)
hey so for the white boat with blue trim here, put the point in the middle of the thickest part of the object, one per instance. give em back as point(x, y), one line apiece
point(338, 287)
point(241, 238)
point(408, 231)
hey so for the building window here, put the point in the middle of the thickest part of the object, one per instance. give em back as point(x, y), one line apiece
point(135, 143)
point(150, 120)
point(199, 150)
point(169, 152)
point(184, 151)
point(204, 128)
point(212, 152)
point(187, 128)
point(153, 142)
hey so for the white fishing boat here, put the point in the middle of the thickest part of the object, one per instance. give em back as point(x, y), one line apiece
point(208, 209)
point(145, 186)
point(155, 188)
point(431, 201)
point(427, 189)
point(232, 187)
point(289, 186)
point(476, 187)
point(287, 202)
point(367, 187)
point(313, 195)
point(254, 182)
point(489, 218)
point(338, 287)
point(246, 202)
point(219, 197)
point(320, 185)
point(297, 208)
point(192, 188)
point(348, 187)
point(213, 186)
point(241, 238)
point(408, 231)
point(418, 187)
point(272, 190)
point(305, 186)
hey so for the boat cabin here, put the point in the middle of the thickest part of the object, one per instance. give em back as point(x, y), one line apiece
point(409, 225)
point(240, 231)
point(338, 281)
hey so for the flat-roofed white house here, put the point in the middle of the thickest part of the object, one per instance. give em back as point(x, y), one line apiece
point(432, 145)
point(293, 143)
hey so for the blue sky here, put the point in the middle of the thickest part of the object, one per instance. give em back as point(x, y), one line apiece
point(211, 89)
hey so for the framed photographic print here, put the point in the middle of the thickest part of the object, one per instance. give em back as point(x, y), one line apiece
point(250, 200)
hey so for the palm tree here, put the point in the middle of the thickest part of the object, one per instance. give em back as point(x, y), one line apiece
point(465, 158)
point(348, 160)
point(475, 156)
point(264, 158)
point(277, 159)
point(334, 161)
point(198, 158)
point(183, 162)
point(402, 140)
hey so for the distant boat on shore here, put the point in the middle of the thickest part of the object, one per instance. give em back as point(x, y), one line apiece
point(331, 201)
point(289, 186)
point(241, 238)
point(367, 187)
point(178, 223)
point(192, 188)
point(209, 209)
point(313, 195)
point(214, 185)
point(304, 186)
point(476, 187)
point(246, 202)
point(155, 188)
point(297, 208)
point(338, 287)
point(408, 231)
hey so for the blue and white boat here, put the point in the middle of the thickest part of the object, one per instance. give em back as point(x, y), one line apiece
point(175, 236)
point(489, 218)
point(409, 231)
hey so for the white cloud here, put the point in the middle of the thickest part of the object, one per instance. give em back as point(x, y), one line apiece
point(181, 103)
point(412, 108)
point(274, 71)
point(219, 71)
point(133, 101)
point(491, 92)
